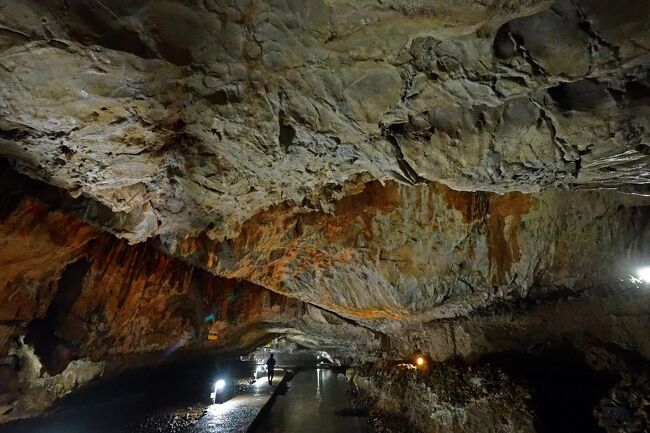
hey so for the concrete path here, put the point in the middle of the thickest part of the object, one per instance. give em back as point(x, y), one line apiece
point(237, 414)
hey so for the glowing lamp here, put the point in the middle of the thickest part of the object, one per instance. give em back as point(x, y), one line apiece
point(419, 361)
point(644, 274)
point(219, 386)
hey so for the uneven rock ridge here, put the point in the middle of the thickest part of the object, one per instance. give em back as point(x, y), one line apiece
point(466, 178)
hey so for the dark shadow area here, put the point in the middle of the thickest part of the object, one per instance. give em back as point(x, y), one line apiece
point(55, 353)
point(93, 22)
point(224, 96)
point(287, 133)
point(503, 46)
point(122, 403)
point(16, 186)
point(565, 390)
point(581, 95)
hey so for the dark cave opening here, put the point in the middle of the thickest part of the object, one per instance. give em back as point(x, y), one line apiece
point(53, 352)
point(287, 132)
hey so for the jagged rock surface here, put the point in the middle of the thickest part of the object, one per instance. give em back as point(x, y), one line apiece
point(190, 115)
point(548, 387)
point(427, 252)
point(202, 122)
point(448, 399)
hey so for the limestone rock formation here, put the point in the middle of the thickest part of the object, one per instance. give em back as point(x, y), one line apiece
point(76, 303)
point(195, 115)
point(467, 178)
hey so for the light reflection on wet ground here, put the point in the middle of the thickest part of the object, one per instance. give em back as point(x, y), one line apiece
point(237, 414)
point(311, 405)
point(169, 399)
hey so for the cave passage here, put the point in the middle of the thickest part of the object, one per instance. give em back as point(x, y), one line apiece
point(435, 214)
point(175, 398)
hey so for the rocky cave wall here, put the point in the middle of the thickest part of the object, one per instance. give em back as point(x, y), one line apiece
point(428, 252)
point(77, 304)
point(459, 177)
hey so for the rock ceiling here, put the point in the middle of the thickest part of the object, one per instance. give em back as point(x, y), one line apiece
point(188, 116)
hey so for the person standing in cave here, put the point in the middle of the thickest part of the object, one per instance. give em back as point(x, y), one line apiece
point(270, 366)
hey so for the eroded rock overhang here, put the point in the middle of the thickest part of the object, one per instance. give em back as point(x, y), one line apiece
point(196, 123)
point(193, 116)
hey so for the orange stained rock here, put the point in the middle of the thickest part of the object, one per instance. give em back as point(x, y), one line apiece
point(267, 247)
point(473, 206)
point(502, 216)
point(131, 298)
point(345, 255)
point(503, 243)
point(282, 241)
point(34, 244)
point(366, 313)
point(373, 199)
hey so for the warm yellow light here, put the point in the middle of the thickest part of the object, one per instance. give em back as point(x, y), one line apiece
point(420, 361)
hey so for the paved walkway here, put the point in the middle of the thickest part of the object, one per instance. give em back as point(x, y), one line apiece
point(238, 413)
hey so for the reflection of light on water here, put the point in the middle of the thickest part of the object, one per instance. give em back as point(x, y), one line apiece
point(230, 413)
point(642, 275)
point(217, 410)
point(319, 379)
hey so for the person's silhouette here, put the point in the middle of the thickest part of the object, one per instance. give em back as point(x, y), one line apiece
point(270, 365)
